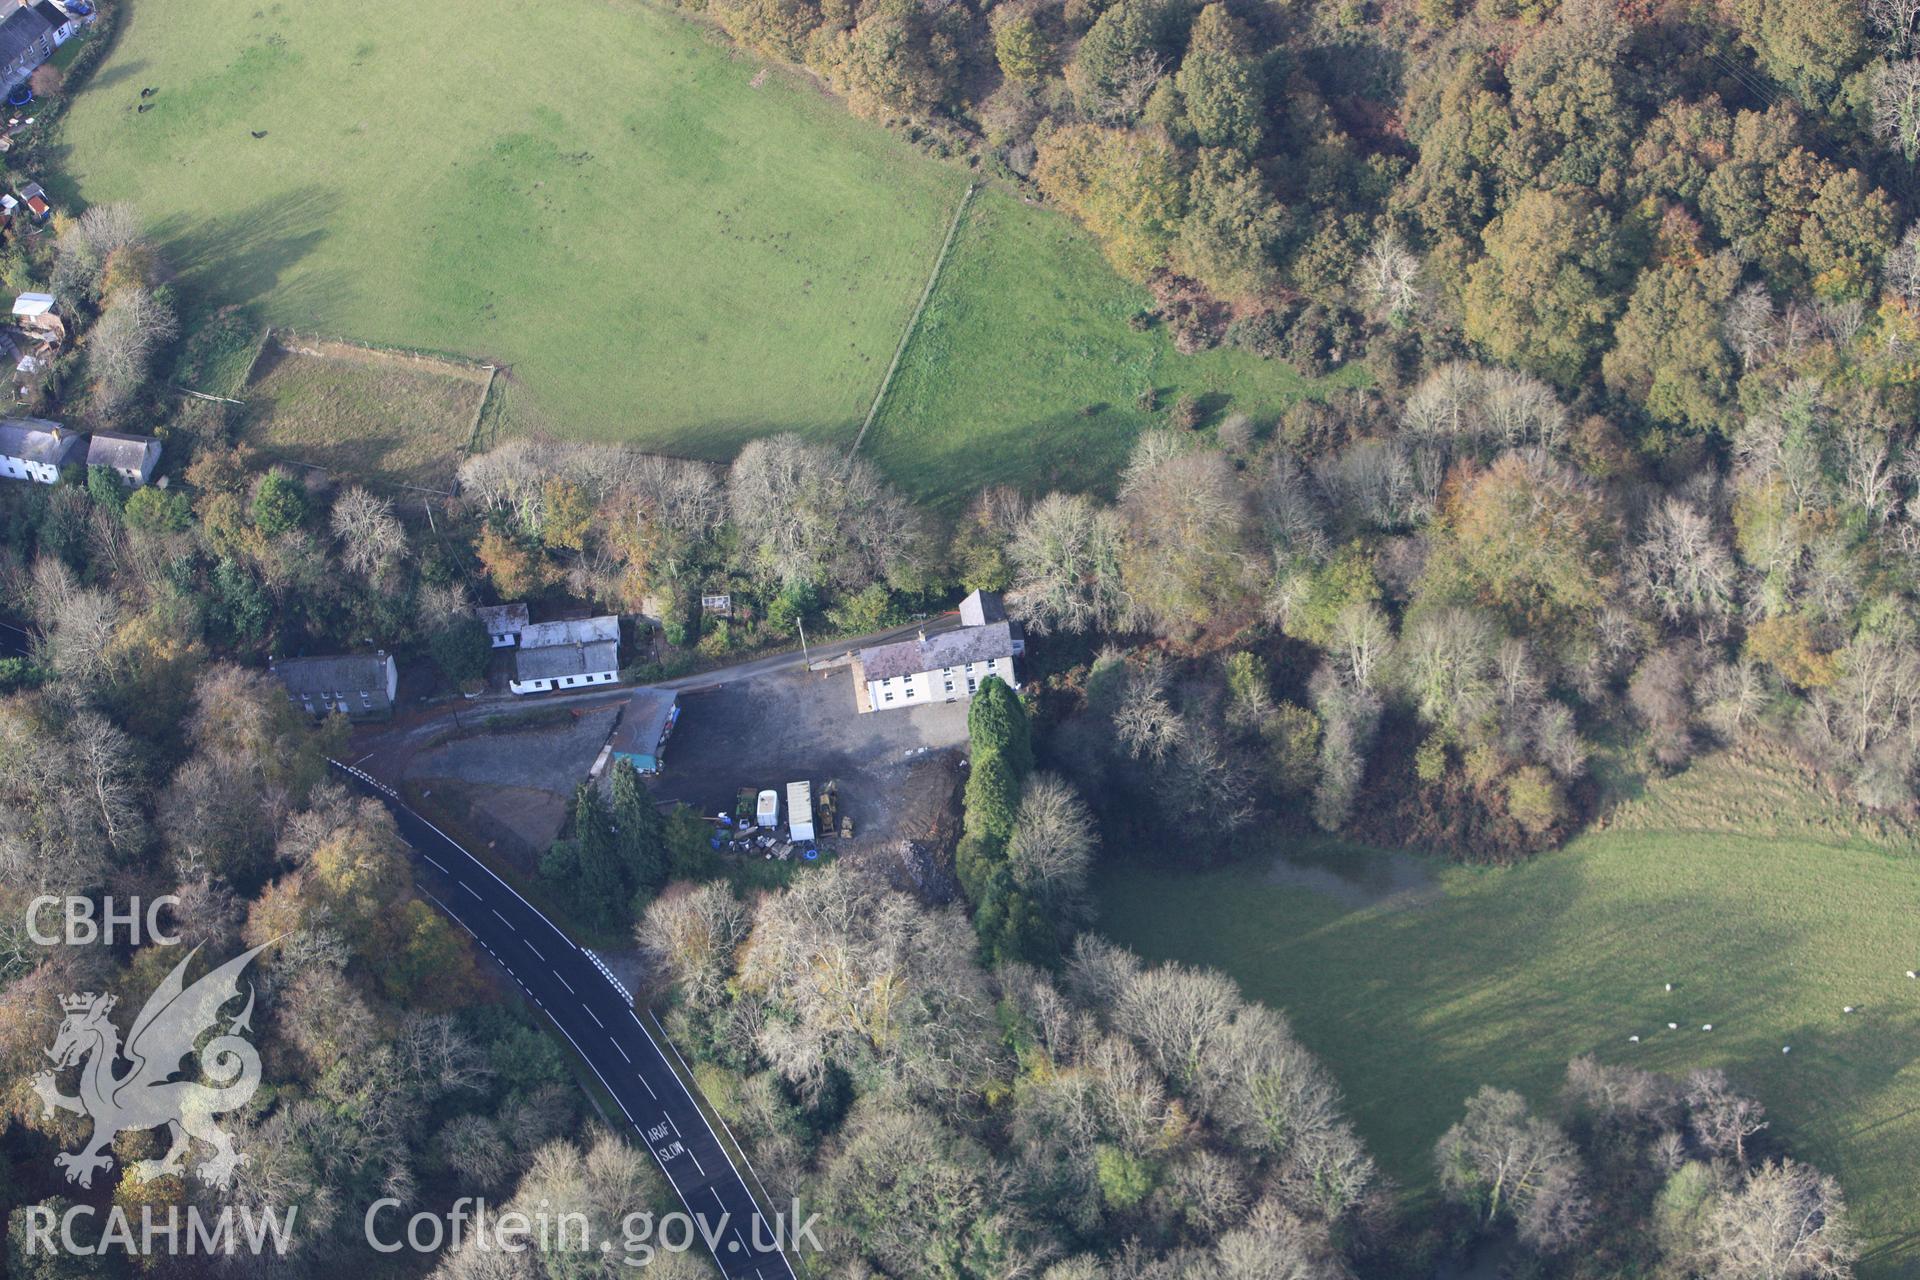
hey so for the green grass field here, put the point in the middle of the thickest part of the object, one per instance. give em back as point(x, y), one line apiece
point(1500, 976)
point(665, 245)
point(595, 195)
point(1026, 332)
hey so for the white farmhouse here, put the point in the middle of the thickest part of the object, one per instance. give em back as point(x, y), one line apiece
point(567, 655)
point(35, 449)
point(941, 668)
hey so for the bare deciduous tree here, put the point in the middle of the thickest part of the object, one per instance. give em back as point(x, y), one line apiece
point(1053, 841)
point(1503, 1160)
point(1721, 1118)
point(135, 324)
point(1178, 1015)
point(1147, 724)
point(1893, 23)
point(1447, 665)
point(1275, 1243)
point(1750, 326)
point(1289, 509)
point(1684, 568)
point(1788, 1221)
point(807, 516)
point(1066, 557)
point(1896, 106)
point(1388, 277)
point(694, 932)
point(1349, 717)
point(1099, 972)
point(371, 538)
point(1364, 640)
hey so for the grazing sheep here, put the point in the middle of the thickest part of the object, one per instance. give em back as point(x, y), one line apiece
point(1847, 1009)
point(1912, 974)
point(1786, 1048)
point(1669, 986)
point(1635, 1039)
point(1706, 1026)
point(1673, 1026)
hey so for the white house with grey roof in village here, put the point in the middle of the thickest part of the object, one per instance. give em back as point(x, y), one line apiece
point(360, 686)
point(947, 667)
point(35, 449)
point(132, 458)
point(28, 37)
point(567, 655)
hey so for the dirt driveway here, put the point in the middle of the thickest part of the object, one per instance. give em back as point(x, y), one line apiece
point(791, 725)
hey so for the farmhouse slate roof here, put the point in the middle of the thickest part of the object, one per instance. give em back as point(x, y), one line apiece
point(573, 631)
point(344, 673)
point(499, 619)
point(38, 440)
point(120, 451)
point(554, 661)
point(20, 32)
point(55, 17)
point(933, 653)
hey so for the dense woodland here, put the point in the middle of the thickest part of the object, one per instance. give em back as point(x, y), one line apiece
point(1634, 472)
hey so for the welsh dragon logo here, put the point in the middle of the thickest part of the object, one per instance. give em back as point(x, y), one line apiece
point(146, 1096)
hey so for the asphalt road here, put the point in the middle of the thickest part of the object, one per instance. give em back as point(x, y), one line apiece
point(597, 1018)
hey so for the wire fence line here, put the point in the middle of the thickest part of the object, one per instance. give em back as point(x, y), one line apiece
point(314, 344)
point(913, 321)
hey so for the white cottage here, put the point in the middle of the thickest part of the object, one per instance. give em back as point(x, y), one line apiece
point(35, 449)
point(567, 655)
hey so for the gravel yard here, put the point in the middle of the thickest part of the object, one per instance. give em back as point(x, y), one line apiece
point(789, 725)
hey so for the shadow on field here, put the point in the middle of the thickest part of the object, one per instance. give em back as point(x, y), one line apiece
point(108, 77)
point(241, 256)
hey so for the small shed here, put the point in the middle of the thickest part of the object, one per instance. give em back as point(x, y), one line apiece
point(35, 313)
point(646, 722)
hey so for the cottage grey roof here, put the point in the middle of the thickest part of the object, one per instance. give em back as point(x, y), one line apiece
point(345, 673)
point(33, 304)
point(573, 631)
point(56, 18)
point(22, 29)
point(499, 619)
point(948, 649)
point(38, 440)
point(555, 661)
point(643, 721)
point(121, 452)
